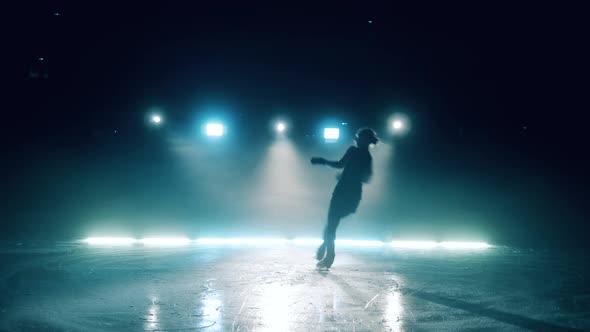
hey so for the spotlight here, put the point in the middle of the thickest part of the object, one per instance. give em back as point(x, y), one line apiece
point(331, 134)
point(156, 119)
point(399, 124)
point(214, 129)
point(281, 127)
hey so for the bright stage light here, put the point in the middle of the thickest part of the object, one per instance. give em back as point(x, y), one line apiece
point(110, 240)
point(163, 241)
point(331, 133)
point(281, 127)
point(214, 129)
point(156, 119)
point(398, 124)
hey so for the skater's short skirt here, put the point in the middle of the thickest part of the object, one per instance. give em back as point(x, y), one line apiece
point(345, 200)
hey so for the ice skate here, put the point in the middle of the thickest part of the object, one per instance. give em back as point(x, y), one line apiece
point(326, 262)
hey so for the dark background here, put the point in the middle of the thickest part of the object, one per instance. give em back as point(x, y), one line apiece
point(497, 95)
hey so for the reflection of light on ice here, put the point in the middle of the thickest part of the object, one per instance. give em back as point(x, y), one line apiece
point(152, 316)
point(211, 311)
point(275, 308)
point(393, 310)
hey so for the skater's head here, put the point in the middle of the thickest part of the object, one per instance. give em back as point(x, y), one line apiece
point(365, 137)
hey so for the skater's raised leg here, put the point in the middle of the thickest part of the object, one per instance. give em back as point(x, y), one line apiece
point(321, 252)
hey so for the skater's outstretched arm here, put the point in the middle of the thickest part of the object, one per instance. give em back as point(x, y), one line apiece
point(336, 164)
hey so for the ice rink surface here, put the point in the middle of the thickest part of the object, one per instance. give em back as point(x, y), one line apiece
point(79, 287)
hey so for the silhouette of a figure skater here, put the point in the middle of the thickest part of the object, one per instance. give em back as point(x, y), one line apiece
point(357, 169)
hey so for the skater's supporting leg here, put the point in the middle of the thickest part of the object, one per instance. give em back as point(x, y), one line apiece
point(329, 238)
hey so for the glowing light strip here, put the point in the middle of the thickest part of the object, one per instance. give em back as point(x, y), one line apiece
point(359, 243)
point(307, 241)
point(413, 244)
point(464, 245)
point(445, 245)
point(241, 241)
point(164, 241)
point(110, 240)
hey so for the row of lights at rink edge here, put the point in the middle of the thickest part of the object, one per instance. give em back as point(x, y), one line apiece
point(179, 241)
point(397, 125)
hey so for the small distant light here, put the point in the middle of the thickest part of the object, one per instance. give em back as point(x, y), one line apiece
point(56, 14)
point(281, 127)
point(156, 119)
point(370, 21)
point(214, 129)
point(398, 124)
point(344, 123)
point(331, 133)
point(41, 59)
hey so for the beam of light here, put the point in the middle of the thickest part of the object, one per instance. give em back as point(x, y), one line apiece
point(214, 129)
point(444, 245)
point(279, 186)
point(110, 240)
point(166, 241)
point(331, 133)
point(241, 241)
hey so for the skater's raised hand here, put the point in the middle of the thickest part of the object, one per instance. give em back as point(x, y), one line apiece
point(318, 161)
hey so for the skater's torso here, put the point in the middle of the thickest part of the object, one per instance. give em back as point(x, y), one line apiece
point(357, 170)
